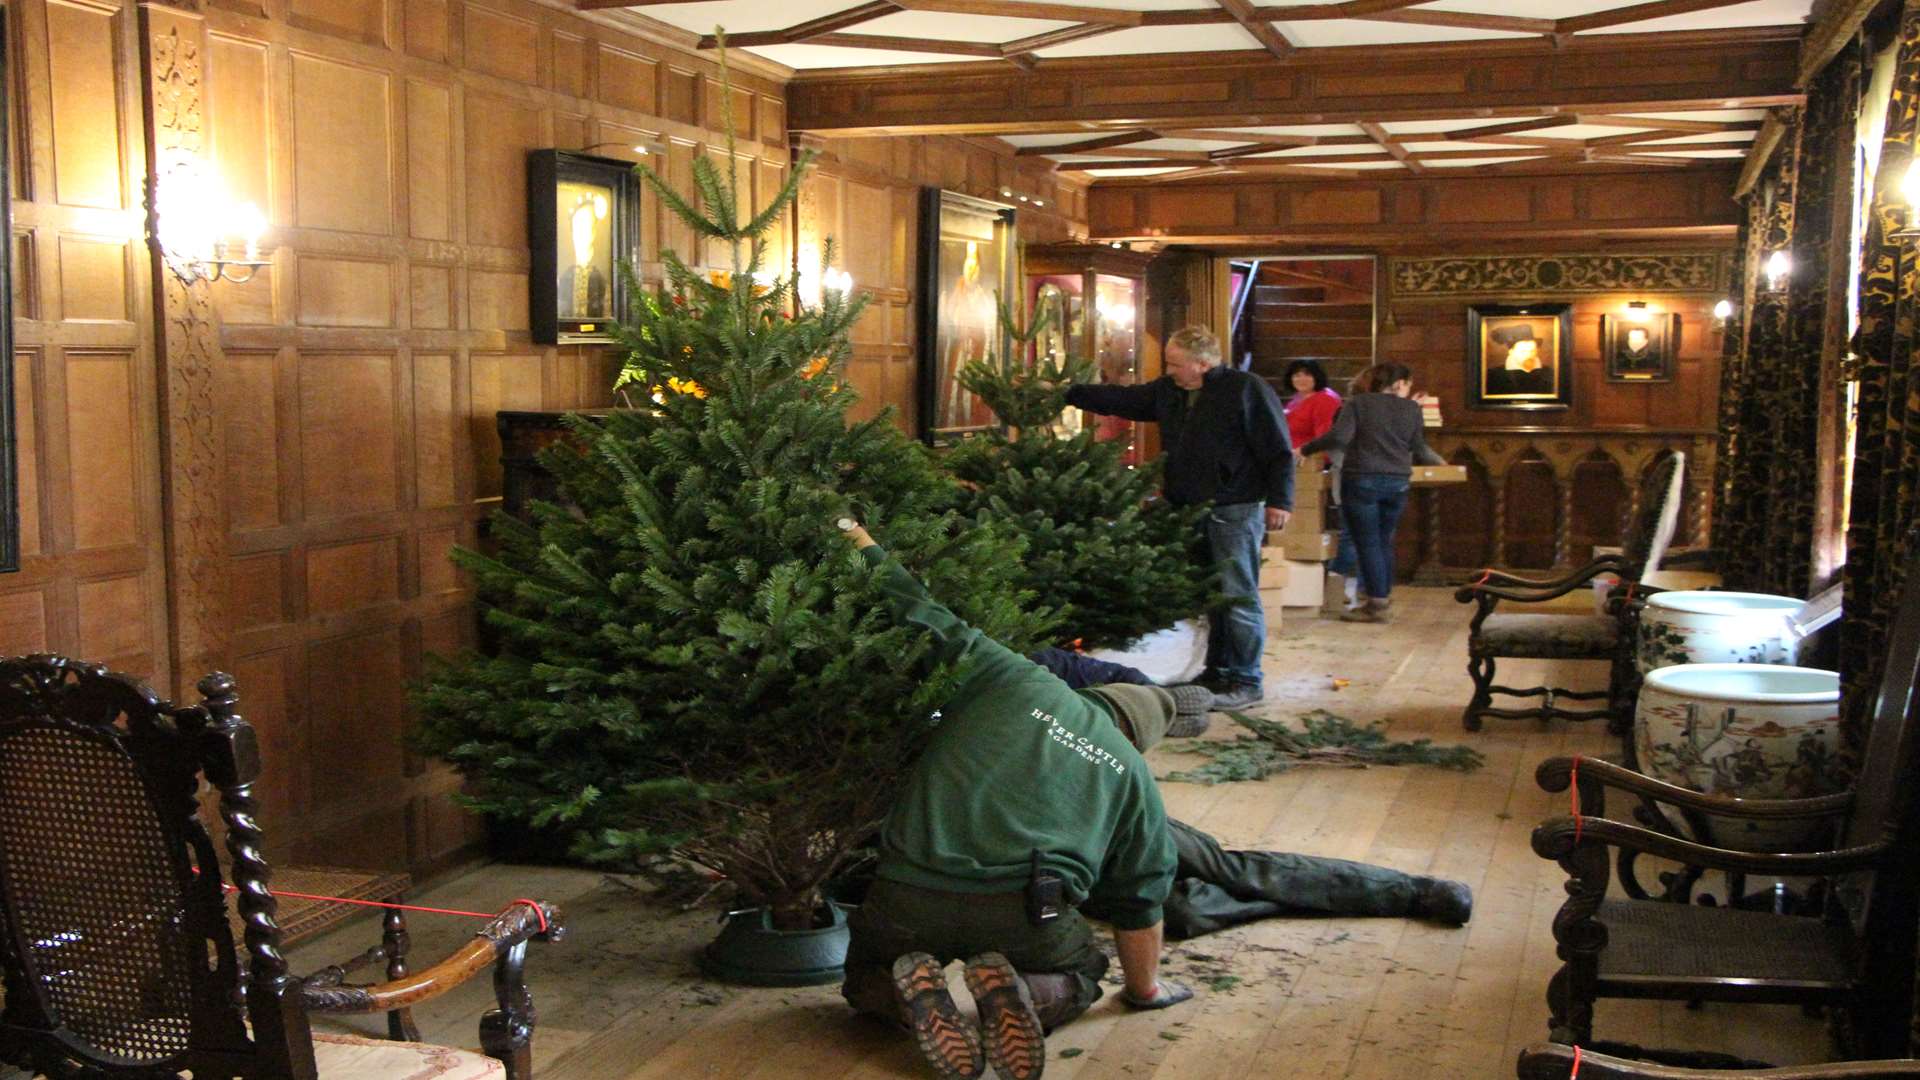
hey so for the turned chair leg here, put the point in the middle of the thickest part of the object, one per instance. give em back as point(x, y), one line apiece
point(1480, 668)
point(506, 1033)
point(395, 940)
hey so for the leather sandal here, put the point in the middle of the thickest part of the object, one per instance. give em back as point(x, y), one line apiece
point(1016, 1047)
point(947, 1040)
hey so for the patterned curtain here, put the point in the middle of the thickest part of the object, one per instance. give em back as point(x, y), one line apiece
point(1770, 403)
point(1886, 468)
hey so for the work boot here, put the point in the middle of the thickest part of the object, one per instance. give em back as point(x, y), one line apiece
point(1238, 696)
point(1191, 701)
point(1015, 1045)
point(1442, 901)
point(1375, 610)
point(949, 1043)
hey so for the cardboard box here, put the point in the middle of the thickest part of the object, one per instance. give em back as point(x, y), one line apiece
point(1274, 571)
point(1439, 474)
point(1317, 547)
point(1304, 520)
point(1310, 483)
point(1306, 586)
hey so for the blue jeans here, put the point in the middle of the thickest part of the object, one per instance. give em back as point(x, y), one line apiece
point(1237, 630)
point(1370, 505)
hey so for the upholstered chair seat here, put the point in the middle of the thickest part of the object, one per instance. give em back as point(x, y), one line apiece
point(350, 1057)
point(1550, 637)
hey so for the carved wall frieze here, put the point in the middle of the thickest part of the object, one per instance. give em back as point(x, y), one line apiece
point(1450, 277)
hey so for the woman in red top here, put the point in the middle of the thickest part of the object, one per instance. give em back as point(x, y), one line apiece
point(1311, 409)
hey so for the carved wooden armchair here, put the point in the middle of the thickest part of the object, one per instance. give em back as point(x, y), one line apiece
point(114, 939)
point(1498, 633)
point(1858, 958)
point(1550, 1061)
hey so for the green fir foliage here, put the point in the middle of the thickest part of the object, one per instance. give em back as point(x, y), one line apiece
point(691, 657)
point(1325, 739)
point(1102, 547)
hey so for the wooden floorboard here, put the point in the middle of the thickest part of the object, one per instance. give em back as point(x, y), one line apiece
point(622, 999)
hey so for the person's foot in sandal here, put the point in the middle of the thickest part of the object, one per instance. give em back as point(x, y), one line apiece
point(1016, 1046)
point(947, 1040)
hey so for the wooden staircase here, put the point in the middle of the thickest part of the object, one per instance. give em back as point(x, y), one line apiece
point(1310, 322)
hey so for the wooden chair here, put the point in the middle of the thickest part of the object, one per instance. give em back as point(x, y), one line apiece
point(1496, 634)
point(1861, 960)
point(1550, 1061)
point(115, 945)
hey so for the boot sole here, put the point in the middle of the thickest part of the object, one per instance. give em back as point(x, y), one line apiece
point(1016, 1047)
point(949, 1043)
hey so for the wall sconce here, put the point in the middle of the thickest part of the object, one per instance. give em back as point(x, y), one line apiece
point(1723, 311)
point(1779, 268)
point(203, 235)
point(1637, 311)
point(816, 280)
point(1910, 194)
point(1008, 193)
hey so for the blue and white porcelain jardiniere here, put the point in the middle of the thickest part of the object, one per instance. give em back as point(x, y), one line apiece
point(1752, 731)
point(1706, 627)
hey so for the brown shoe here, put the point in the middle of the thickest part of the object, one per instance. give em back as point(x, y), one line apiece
point(1015, 1044)
point(949, 1043)
point(1364, 613)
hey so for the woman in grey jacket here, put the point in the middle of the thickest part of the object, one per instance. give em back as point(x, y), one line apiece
point(1380, 433)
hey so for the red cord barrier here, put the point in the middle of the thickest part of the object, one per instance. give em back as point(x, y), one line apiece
point(534, 904)
point(1573, 796)
point(1485, 576)
point(1575, 1074)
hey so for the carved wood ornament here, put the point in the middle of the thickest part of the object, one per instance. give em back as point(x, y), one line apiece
point(172, 48)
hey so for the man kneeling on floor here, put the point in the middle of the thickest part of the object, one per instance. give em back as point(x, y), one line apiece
point(1028, 802)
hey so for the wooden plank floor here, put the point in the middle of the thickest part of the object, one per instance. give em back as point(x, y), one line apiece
point(1362, 998)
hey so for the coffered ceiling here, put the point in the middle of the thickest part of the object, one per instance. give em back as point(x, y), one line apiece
point(1663, 116)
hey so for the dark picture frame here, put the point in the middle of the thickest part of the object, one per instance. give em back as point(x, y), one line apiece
point(571, 300)
point(1520, 356)
point(1640, 349)
point(9, 447)
point(969, 262)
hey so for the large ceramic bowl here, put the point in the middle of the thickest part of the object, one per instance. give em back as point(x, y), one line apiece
point(1704, 627)
point(1747, 730)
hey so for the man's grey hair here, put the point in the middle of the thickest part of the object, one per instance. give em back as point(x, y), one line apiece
point(1198, 342)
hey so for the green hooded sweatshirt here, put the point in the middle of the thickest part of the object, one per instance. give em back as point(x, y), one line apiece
point(1018, 764)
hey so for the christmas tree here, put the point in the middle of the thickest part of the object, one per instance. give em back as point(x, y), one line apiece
point(692, 656)
point(1102, 548)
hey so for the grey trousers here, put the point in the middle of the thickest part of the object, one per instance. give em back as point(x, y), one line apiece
point(1215, 888)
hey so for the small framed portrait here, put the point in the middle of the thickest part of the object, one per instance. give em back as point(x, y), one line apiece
point(1639, 347)
point(583, 221)
point(1520, 357)
point(969, 259)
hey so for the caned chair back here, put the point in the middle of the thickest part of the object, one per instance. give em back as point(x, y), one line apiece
point(117, 953)
point(1884, 789)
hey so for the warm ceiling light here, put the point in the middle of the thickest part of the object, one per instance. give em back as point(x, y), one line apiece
point(1038, 203)
point(1723, 310)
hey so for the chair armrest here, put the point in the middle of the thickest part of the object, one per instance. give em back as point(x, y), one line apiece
point(1703, 558)
point(1525, 590)
point(1557, 838)
point(1556, 774)
point(509, 930)
point(1552, 1061)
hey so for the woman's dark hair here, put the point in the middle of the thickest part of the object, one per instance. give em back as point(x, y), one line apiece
point(1311, 367)
point(1376, 379)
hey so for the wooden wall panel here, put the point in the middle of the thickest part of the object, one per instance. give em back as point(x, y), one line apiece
point(342, 168)
point(347, 435)
point(84, 104)
point(104, 464)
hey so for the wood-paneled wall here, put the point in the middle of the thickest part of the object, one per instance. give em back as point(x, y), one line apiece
point(359, 374)
point(865, 193)
point(92, 577)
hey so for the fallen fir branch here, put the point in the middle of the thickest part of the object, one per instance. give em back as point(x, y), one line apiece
point(1327, 739)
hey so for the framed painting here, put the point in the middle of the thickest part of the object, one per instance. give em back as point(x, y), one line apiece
point(583, 221)
point(968, 262)
point(1639, 348)
point(1520, 356)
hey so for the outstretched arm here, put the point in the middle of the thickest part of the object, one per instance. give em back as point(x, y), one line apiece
point(1126, 402)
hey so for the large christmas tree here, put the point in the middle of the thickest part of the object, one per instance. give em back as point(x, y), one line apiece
point(692, 657)
point(1102, 547)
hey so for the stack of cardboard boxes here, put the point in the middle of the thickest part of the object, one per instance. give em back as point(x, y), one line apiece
point(1293, 571)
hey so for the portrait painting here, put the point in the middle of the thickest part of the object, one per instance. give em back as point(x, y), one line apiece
point(582, 223)
point(1519, 357)
point(1639, 348)
point(966, 265)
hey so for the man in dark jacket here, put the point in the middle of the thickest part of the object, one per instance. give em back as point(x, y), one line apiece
point(1030, 800)
point(1225, 437)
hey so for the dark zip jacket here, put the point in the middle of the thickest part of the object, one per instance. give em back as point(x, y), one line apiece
point(1228, 446)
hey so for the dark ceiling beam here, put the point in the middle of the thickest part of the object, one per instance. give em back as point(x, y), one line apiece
point(1467, 20)
point(1400, 153)
point(1659, 9)
point(812, 28)
point(906, 44)
point(1028, 45)
point(1086, 145)
point(1021, 9)
point(1831, 33)
point(1263, 31)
